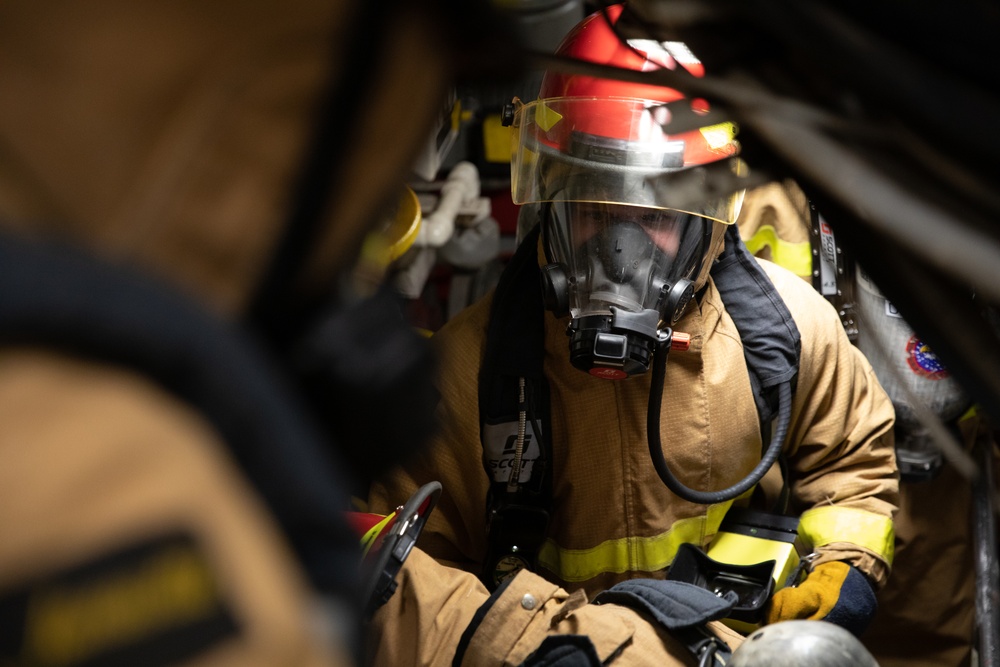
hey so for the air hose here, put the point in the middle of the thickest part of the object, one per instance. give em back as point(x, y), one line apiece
point(656, 448)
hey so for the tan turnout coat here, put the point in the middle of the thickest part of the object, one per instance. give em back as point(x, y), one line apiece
point(612, 517)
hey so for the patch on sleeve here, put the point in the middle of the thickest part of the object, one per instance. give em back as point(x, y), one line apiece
point(152, 603)
point(922, 361)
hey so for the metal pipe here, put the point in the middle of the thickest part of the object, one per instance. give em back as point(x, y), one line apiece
point(987, 568)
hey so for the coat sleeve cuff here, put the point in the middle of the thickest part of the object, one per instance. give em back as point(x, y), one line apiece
point(864, 539)
point(520, 615)
point(872, 566)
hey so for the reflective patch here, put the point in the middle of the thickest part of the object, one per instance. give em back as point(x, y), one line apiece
point(153, 604)
point(796, 257)
point(545, 117)
point(720, 135)
point(500, 446)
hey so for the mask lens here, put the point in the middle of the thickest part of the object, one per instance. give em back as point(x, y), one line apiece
point(589, 219)
point(623, 256)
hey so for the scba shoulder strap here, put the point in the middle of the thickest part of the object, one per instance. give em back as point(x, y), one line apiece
point(771, 342)
point(514, 419)
point(513, 392)
point(62, 298)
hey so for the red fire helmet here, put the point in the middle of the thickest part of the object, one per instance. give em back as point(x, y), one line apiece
point(605, 140)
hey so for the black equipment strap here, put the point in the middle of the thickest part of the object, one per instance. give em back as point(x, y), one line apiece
point(771, 342)
point(517, 519)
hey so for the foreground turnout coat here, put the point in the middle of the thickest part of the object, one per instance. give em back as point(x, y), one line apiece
point(161, 145)
point(612, 517)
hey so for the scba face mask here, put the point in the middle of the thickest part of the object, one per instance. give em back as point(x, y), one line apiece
point(622, 273)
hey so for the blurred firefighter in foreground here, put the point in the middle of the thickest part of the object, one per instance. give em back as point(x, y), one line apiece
point(545, 455)
point(927, 611)
point(184, 189)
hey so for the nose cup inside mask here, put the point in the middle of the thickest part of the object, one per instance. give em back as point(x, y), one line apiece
point(622, 262)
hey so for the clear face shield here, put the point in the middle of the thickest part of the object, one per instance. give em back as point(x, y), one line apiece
point(627, 225)
point(617, 151)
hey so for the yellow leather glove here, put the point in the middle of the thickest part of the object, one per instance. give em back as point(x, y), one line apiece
point(834, 592)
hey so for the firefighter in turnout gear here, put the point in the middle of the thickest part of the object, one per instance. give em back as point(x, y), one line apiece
point(632, 304)
point(927, 612)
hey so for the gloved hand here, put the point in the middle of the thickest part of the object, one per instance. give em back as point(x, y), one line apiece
point(834, 592)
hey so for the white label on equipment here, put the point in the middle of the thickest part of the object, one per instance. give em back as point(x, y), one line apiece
point(827, 260)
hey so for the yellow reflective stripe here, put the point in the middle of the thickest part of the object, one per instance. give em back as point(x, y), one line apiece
point(796, 257)
point(825, 525)
point(368, 539)
point(717, 136)
point(631, 554)
point(971, 413)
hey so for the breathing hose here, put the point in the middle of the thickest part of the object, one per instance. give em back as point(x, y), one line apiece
point(656, 448)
